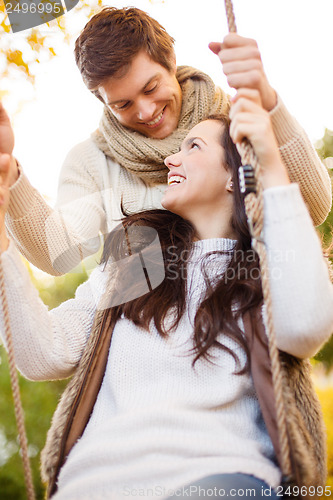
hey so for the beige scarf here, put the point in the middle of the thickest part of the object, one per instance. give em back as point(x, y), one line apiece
point(144, 156)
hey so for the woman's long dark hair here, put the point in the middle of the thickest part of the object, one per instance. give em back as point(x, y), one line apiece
point(237, 291)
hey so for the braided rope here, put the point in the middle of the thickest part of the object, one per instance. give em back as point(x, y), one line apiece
point(16, 391)
point(254, 207)
point(230, 16)
point(254, 210)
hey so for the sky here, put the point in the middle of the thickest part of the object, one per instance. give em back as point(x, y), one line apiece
point(295, 38)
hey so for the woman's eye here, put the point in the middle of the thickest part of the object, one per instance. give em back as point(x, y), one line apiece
point(194, 145)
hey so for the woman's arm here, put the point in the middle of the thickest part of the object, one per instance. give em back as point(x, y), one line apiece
point(47, 344)
point(302, 293)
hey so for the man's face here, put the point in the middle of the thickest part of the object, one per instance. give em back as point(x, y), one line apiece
point(147, 98)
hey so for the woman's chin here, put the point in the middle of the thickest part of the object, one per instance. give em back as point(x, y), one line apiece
point(170, 205)
point(167, 203)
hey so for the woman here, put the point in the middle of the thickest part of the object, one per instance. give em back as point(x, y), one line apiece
point(175, 403)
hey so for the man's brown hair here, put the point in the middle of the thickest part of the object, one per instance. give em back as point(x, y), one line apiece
point(113, 37)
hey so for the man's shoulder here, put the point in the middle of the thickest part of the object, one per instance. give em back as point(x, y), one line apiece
point(87, 149)
point(87, 154)
point(85, 158)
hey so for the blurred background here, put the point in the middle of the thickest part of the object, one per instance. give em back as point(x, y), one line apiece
point(51, 111)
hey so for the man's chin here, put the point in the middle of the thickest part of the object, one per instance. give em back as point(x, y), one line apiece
point(160, 134)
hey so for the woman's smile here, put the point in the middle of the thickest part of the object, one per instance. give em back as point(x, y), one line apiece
point(175, 179)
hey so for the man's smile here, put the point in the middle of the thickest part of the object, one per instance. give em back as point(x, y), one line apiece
point(156, 122)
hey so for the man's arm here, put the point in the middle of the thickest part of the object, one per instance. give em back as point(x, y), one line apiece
point(57, 240)
point(54, 240)
point(243, 68)
point(303, 163)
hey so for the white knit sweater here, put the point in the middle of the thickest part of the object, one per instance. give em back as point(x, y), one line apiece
point(158, 423)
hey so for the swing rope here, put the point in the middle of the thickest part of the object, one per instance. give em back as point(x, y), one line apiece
point(254, 207)
point(255, 211)
point(19, 415)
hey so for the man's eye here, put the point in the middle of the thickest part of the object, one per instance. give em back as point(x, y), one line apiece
point(151, 90)
point(122, 106)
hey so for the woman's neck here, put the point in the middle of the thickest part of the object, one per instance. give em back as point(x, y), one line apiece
point(213, 228)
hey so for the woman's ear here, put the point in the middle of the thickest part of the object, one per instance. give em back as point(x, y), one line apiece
point(230, 184)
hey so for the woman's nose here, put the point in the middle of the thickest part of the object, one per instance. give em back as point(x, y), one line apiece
point(173, 160)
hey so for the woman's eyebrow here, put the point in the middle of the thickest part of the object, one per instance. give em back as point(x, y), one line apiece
point(188, 142)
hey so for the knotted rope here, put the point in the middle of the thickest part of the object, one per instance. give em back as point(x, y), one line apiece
point(16, 391)
point(254, 207)
point(254, 210)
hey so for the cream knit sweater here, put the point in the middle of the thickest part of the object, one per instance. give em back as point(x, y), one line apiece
point(158, 423)
point(92, 186)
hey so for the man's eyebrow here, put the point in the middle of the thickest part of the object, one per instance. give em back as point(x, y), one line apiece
point(112, 103)
point(188, 142)
point(150, 80)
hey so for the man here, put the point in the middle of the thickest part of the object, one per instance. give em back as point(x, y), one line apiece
point(127, 60)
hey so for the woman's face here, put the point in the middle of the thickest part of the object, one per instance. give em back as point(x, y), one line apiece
point(199, 183)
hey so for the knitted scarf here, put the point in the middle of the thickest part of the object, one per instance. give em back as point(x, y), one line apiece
point(144, 156)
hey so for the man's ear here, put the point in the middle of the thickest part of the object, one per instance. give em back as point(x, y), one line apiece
point(173, 62)
point(230, 184)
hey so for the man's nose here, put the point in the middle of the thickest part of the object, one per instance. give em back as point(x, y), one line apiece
point(146, 110)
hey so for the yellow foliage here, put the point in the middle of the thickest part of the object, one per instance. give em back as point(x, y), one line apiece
point(35, 39)
point(326, 399)
point(5, 25)
point(16, 57)
point(16, 53)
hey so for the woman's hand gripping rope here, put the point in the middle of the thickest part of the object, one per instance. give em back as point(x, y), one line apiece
point(249, 120)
